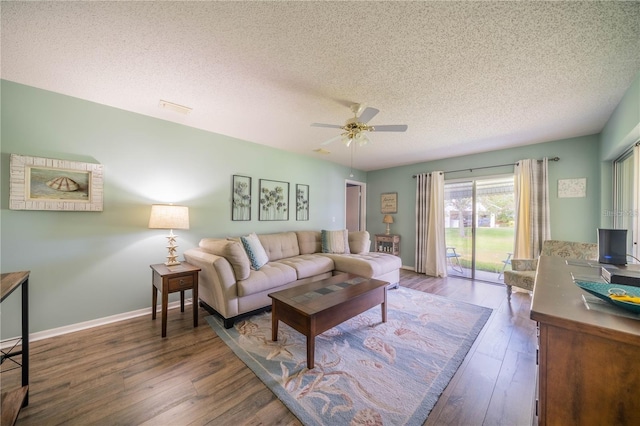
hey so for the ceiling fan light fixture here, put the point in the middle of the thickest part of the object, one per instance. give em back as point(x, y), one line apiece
point(355, 127)
point(361, 138)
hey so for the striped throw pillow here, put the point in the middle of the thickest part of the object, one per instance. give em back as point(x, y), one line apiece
point(335, 241)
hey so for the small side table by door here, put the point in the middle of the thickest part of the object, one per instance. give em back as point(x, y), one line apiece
point(388, 243)
point(169, 279)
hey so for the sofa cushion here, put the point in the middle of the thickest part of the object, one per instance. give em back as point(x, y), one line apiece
point(335, 241)
point(257, 256)
point(359, 242)
point(271, 275)
point(309, 242)
point(233, 251)
point(366, 265)
point(308, 265)
point(281, 245)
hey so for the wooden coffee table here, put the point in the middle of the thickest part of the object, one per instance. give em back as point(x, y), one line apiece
point(316, 307)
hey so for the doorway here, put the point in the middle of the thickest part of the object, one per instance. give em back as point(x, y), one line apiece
point(355, 205)
point(479, 227)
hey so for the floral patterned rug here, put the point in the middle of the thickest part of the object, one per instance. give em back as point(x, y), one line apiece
point(366, 371)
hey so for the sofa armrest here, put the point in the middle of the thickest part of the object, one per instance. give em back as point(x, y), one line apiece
point(216, 282)
point(524, 264)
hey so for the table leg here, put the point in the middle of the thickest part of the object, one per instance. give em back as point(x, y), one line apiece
point(274, 323)
point(165, 304)
point(311, 350)
point(384, 306)
point(311, 343)
point(194, 299)
point(25, 339)
point(182, 301)
point(154, 301)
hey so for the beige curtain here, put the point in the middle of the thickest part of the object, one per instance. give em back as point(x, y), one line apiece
point(635, 215)
point(430, 245)
point(532, 225)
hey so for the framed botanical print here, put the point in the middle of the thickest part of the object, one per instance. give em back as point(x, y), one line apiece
point(241, 201)
point(274, 200)
point(302, 202)
point(572, 188)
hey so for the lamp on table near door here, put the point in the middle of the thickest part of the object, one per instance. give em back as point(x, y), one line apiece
point(388, 219)
point(168, 216)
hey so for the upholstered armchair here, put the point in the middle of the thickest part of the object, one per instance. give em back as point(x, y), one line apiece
point(523, 271)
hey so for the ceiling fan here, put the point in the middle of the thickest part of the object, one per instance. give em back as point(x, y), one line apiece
point(355, 128)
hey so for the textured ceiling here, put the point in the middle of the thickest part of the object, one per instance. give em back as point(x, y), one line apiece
point(466, 77)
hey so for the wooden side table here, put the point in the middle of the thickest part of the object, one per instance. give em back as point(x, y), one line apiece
point(169, 279)
point(388, 244)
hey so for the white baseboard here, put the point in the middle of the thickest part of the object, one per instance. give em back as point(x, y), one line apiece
point(40, 335)
point(408, 268)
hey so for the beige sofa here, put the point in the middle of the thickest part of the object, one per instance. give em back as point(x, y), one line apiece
point(230, 288)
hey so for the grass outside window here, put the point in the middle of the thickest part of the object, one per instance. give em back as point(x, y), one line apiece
point(492, 246)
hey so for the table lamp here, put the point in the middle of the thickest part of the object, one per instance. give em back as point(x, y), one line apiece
point(388, 219)
point(168, 216)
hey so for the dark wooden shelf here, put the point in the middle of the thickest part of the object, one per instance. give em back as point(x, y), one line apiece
point(14, 400)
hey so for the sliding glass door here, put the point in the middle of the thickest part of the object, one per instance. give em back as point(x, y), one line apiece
point(479, 227)
point(626, 202)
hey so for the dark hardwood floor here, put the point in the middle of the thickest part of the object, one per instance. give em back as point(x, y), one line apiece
point(125, 373)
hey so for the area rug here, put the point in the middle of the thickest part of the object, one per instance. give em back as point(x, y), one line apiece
point(366, 371)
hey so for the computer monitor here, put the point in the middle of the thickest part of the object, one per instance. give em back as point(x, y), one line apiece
point(612, 246)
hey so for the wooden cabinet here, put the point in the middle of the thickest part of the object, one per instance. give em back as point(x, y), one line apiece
point(387, 244)
point(588, 364)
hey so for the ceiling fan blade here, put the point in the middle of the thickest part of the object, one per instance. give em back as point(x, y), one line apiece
point(333, 126)
point(333, 139)
point(368, 114)
point(391, 128)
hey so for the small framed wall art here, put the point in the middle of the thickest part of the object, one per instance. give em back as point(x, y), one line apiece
point(572, 188)
point(274, 200)
point(241, 198)
point(48, 184)
point(389, 202)
point(302, 202)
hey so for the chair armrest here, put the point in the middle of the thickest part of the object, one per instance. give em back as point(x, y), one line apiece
point(524, 264)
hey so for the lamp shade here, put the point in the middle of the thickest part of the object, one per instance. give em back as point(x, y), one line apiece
point(387, 218)
point(168, 216)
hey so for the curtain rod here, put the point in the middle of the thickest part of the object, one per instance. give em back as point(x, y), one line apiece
point(491, 167)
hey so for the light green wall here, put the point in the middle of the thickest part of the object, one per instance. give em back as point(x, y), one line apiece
point(621, 131)
point(92, 265)
point(574, 219)
point(623, 127)
point(86, 266)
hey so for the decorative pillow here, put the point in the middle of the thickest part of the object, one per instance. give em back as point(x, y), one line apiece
point(335, 241)
point(359, 242)
point(257, 256)
point(233, 251)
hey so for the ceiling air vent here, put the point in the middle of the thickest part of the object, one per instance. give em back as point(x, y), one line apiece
point(174, 107)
